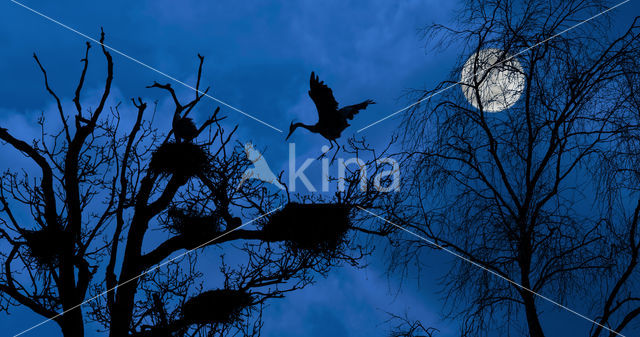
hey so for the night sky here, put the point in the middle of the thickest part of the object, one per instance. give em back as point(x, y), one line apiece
point(258, 58)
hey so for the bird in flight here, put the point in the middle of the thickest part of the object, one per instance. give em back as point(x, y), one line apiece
point(331, 119)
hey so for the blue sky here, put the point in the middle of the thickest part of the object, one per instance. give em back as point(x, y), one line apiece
point(258, 58)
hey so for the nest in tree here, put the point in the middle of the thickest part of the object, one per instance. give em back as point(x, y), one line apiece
point(181, 159)
point(46, 245)
point(216, 306)
point(315, 227)
point(194, 226)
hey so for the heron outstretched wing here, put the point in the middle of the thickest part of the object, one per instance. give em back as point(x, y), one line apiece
point(349, 111)
point(322, 96)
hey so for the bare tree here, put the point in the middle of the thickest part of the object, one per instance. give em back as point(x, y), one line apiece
point(408, 328)
point(117, 202)
point(514, 191)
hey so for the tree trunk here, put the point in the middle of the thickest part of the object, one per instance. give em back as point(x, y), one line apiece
point(72, 321)
point(528, 297)
point(122, 312)
point(533, 321)
point(73, 324)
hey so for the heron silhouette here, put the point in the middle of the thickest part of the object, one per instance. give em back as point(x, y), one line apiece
point(184, 129)
point(331, 119)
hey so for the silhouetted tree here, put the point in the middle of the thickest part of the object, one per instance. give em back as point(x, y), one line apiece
point(514, 191)
point(404, 327)
point(116, 203)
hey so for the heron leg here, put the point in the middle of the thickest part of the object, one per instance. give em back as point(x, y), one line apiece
point(336, 153)
point(325, 153)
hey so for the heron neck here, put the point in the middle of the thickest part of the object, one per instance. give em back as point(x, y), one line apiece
point(312, 128)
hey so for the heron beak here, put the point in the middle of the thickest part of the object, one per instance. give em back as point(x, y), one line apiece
point(291, 129)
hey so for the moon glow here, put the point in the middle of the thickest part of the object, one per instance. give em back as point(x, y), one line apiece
point(490, 82)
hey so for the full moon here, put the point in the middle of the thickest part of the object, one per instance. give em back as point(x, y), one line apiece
point(499, 83)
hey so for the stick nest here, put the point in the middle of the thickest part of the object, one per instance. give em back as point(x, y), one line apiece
point(216, 306)
point(194, 226)
point(320, 228)
point(46, 245)
point(181, 159)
